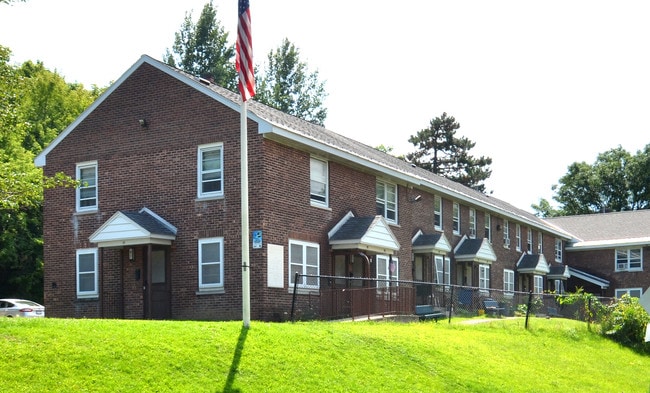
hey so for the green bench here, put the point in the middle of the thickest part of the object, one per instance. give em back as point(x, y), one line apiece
point(491, 307)
point(426, 312)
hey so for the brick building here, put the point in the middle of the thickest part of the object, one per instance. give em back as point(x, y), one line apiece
point(154, 231)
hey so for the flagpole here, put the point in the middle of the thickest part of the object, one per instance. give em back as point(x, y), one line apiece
point(246, 305)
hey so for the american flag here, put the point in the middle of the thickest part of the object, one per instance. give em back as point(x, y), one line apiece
point(244, 55)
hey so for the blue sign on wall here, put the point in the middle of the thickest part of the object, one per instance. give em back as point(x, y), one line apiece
point(257, 239)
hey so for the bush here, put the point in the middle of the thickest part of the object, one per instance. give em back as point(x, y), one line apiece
point(626, 323)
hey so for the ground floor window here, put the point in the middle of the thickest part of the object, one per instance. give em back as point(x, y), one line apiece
point(211, 263)
point(508, 280)
point(87, 273)
point(538, 284)
point(484, 276)
point(443, 267)
point(387, 270)
point(304, 258)
point(633, 292)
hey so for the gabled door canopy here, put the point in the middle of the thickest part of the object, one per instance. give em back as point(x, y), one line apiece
point(126, 228)
point(363, 233)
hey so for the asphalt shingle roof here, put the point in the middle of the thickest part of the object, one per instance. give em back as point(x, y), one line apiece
point(633, 224)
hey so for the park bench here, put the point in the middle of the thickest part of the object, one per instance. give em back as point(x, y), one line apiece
point(491, 307)
point(427, 312)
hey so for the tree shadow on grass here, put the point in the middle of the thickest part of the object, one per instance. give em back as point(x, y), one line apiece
point(236, 358)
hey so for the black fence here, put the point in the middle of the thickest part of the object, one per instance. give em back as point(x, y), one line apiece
point(366, 298)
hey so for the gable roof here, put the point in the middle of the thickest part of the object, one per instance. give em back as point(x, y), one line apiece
point(436, 243)
point(363, 233)
point(126, 228)
point(276, 125)
point(601, 282)
point(474, 250)
point(605, 230)
point(532, 263)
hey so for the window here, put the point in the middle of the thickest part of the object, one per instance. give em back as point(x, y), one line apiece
point(506, 234)
point(629, 259)
point(443, 267)
point(387, 270)
point(538, 284)
point(304, 259)
point(488, 226)
point(529, 241)
point(633, 292)
point(210, 171)
point(87, 191)
point(437, 213)
point(558, 250)
point(559, 287)
point(508, 280)
point(211, 263)
point(87, 273)
point(484, 276)
point(518, 236)
point(472, 223)
point(456, 218)
point(540, 237)
point(318, 188)
point(387, 201)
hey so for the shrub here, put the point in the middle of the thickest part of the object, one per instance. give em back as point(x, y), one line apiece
point(626, 323)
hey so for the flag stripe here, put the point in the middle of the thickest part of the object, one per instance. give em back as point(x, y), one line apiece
point(244, 52)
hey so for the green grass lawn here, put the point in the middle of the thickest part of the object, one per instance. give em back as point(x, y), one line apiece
point(553, 355)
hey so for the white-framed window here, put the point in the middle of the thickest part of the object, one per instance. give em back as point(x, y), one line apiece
point(540, 238)
point(558, 250)
point(87, 192)
point(559, 287)
point(319, 180)
point(629, 259)
point(387, 270)
point(488, 227)
point(529, 241)
point(386, 198)
point(538, 284)
point(437, 213)
point(508, 280)
point(518, 236)
point(443, 267)
point(304, 258)
point(633, 292)
point(472, 223)
point(506, 234)
point(456, 218)
point(484, 277)
point(210, 170)
point(211, 263)
point(87, 273)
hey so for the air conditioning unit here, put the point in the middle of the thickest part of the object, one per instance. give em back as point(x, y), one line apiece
point(506, 242)
point(622, 266)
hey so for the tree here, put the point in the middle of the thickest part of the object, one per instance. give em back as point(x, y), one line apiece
point(202, 49)
point(438, 150)
point(544, 209)
point(289, 86)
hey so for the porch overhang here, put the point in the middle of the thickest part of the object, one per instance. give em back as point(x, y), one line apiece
point(558, 273)
point(601, 282)
point(533, 264)
point(369, 234)
point(127, 228)
point(474, 250)
point(436, 243)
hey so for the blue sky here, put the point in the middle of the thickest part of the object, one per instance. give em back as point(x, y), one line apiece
point(537, 85)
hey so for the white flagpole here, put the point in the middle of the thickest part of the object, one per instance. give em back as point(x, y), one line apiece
point(246, 301)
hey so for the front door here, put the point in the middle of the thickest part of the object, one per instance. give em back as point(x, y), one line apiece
point(157, 292)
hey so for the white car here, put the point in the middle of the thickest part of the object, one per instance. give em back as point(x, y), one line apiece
point(20, 308)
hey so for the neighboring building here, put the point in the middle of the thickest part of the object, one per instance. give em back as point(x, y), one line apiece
point(155, 232)
point(606, 254)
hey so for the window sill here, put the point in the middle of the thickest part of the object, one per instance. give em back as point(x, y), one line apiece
point(83, 212)
point(320, 206)
point(210, 291)
point(208, 198)
point(87, 297)
point(305, 291)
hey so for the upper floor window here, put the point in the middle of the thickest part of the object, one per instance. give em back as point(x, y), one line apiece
point(508, 280)
point(304, 259)
point(211, 263)
point(488, 227)
point(318, 187)
point(472, 223)
point(540, 238)
point(529, 241)
point(506, 234)
point(456, 218)
point(87, 273)
point(518, 236)
point(630, 259)
point(443, 267)
point(386, 199)
point(87, 191)
point(558, 250)
point(210, 170)
point(633, 292)
point(437, 213)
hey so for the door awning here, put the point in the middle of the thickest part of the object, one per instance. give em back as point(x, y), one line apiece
point(435, 243)
point(558, 273)
point(601, 282)
point(533, 264)
point(474, 250)
point(128, 228)
point(363, 233)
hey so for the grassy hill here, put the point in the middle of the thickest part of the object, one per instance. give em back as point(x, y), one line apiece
point(59, 355)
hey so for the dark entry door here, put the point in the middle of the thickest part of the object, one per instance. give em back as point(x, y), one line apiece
point(158, 303)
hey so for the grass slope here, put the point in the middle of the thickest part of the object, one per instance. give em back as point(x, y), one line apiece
point(66, 355)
